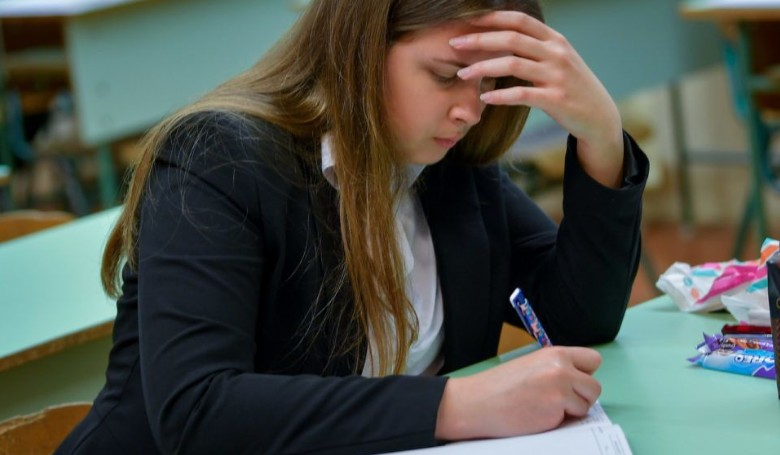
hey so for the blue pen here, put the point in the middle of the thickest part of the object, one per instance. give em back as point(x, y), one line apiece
point(527, 315)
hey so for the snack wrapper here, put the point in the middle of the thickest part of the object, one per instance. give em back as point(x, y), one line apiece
point(749, 306)
point(741, 355)
point(739, 286)
point(750, 362)
point(734, 343)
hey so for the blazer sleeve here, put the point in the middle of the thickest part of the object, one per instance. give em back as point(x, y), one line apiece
point(578, 276)
point(202, 268)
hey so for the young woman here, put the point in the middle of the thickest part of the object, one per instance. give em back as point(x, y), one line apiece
point(306, 250)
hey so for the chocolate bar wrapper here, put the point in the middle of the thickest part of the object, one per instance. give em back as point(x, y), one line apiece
point(750, 362)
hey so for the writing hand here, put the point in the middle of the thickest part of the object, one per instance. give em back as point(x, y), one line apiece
point(563, 86)
point(526, 395)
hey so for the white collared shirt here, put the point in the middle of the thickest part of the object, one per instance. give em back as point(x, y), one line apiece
point(422, 281)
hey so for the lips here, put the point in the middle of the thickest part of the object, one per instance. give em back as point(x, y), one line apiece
point(447, 143)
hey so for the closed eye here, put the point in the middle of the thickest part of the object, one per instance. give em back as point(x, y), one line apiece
point(445, 79)
point(486, 84)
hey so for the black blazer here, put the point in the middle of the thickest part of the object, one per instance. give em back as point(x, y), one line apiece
point(216, 348)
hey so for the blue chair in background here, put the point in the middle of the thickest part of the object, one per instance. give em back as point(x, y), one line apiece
point(63, 155)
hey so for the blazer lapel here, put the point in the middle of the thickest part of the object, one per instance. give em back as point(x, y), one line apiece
point(452, 209)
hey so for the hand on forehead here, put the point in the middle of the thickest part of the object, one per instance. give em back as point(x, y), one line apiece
point(503, 34)
point(561, 83)
point(451, 32)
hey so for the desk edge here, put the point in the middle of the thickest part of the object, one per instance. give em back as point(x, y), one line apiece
point(56, 345)
point(729, 14)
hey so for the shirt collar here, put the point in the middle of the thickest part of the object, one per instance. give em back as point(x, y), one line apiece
point(328, 165)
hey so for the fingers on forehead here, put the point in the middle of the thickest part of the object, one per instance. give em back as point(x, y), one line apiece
point(519, 68)
point(507, 43)
point(514, 20)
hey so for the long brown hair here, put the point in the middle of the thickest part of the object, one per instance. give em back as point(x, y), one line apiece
point(327, 75)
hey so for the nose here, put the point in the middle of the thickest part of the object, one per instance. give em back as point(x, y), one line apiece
point(467, 107)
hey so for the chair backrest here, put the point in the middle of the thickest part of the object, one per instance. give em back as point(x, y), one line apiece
point(41, 432)
point(22, 222)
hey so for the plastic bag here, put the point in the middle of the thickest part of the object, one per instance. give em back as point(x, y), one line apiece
point(738, 286)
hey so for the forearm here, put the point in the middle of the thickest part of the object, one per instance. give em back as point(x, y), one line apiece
point(579, 278)
point(602, 160)
point(256, 413)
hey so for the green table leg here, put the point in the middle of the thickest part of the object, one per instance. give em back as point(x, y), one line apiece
point(108, 180)
point(757, 144)
point(683, 158)
point(744, 225)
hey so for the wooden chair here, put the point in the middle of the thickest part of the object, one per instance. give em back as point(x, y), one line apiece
point(40, 432)
point(22, 222)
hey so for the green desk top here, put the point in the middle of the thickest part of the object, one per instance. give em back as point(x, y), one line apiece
point(50, 285)
point(664, 404)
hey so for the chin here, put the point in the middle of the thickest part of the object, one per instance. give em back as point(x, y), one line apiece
point(432, 157)
point(427, 161)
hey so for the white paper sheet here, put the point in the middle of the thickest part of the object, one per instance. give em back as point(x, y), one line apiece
point(582, 440)
point(594, 434)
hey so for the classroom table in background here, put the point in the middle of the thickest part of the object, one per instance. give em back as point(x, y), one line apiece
point(753, 56)
point(133, 62)
point(666, 405)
